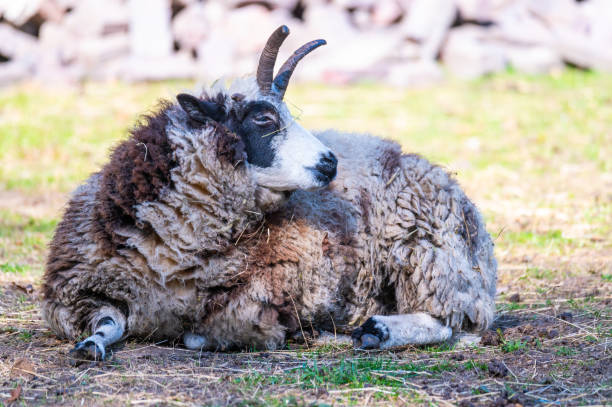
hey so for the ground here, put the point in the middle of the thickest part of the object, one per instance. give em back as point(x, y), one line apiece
point(533, 153)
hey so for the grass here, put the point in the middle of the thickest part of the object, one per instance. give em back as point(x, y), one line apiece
point(23, 240)
point(356, 374)
point(513, 346)
point(532, 152)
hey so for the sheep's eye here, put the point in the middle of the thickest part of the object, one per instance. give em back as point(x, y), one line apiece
point(263, 120)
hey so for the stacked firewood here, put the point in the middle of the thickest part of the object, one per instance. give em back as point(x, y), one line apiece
point(401, 42)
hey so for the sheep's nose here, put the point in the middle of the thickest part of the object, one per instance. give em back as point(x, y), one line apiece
point(327, 166)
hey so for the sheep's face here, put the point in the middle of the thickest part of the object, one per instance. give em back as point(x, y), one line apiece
point(282, 155)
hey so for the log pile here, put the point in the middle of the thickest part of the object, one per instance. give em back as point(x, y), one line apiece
point(401, 42)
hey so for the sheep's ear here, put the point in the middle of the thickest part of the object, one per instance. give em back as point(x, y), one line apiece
point(200, 110)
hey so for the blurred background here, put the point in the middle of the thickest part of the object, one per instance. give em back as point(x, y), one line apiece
point(399, 42)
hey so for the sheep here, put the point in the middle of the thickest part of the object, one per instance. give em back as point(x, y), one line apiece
point(222, 221)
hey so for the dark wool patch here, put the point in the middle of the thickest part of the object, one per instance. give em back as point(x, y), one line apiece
point(469, 227)
point(365, 203)
point(217, 298)
point(63, 254)
point(220, 98)
point(229, 147)
point(138, 170)
point(287, 317)
point(391, 159)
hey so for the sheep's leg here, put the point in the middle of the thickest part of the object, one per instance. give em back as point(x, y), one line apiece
point(108, 326)
point(387, 331)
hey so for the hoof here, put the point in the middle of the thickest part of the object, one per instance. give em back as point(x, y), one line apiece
point(84, 351)
point(370, 335)
point(369, 341)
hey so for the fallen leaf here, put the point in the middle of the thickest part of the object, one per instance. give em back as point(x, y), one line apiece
point(22, 368)
point(15, 393)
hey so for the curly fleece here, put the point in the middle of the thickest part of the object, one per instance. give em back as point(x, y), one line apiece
point(185, 247)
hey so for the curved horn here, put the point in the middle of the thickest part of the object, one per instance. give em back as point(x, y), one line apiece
point(279, 86)
point(265, 68)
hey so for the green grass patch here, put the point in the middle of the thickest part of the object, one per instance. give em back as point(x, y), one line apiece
point(565, 351)
point(53, 138)
point(23, 241)
point(13, 268)
point(25, 336)
point(509, 346)
point(539, 273)
point(513, 306)
point(476, 365)
point(347, 373)
point(552, 239)
point(440, 347)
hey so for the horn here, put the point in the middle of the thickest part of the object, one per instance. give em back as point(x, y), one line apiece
point(279, 86)
point(265, 68)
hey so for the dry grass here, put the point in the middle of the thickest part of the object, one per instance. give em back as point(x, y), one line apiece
point(533, 153)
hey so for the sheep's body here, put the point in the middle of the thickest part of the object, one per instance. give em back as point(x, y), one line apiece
point(392, 234)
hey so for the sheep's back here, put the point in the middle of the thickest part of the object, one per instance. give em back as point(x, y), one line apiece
point(425, 242)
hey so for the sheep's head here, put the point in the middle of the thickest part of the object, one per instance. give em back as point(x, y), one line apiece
point(282, 156)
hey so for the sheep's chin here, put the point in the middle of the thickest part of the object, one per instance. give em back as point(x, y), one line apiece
point(270, 200)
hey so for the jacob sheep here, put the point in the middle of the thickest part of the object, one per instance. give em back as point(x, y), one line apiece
point(217, 221)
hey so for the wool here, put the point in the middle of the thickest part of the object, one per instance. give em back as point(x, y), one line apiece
point(208, 251)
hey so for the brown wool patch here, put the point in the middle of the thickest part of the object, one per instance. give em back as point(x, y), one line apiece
point(391, 159)
point(63, 255)
point(365, 203)
point(229, 146)
point(138, 170)
point(469, 227)
point(275, 243)
point(325, 245)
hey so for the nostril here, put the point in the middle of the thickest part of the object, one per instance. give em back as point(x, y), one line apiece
point(329, 159)
point(325, 170)
point(333, 158)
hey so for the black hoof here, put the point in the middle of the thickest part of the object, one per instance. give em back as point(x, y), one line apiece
point(370, 335)
point(85, 351)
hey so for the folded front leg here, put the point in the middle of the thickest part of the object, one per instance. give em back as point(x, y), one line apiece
point(387, 331)
point(108, 326)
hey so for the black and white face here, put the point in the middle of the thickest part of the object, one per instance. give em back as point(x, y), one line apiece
point(283, 156)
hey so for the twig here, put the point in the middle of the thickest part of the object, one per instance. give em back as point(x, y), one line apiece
point(476, 396)
point(146, 150)
point(376, 389)
point(299, 322)
point(515, 378)
point(467, 229)
point(240, 236)
point(34, 373)
point(499, 234)
point(392, 178)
